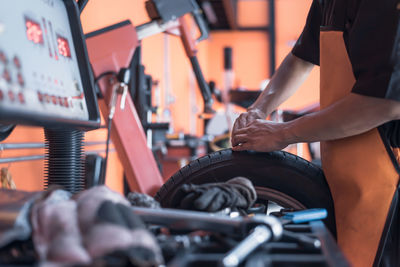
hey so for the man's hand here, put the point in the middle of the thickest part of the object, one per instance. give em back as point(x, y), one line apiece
point(247, 117)
point(260, 135)
point(352, 115)
point(288, 77)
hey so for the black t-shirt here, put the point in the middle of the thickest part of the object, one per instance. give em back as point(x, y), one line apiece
point(372, 38)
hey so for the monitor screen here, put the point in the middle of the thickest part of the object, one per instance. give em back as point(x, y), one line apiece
point(44, 70)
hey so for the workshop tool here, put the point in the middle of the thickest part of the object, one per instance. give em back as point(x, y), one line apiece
point(303, 216)
point(254, 230)
point(283, 252)
point(167, 16)
point(260, 235)
point(120, 87)
point(262, 228)
point(162, 12)
point(108, 53)
point(180, 220)
point(301, 239)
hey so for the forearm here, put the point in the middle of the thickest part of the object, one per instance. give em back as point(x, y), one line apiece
point(289, 76)
point(350, 116)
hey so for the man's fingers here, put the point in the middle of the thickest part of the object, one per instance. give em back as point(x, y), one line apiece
point(239, 123)
point(239, 138)
point(244, 120)
point(252, 125)
point(242, 147)
point(236, 126)
point(240, 142)
point(249, 120)
point(242, 131)
point(234, 142)
point(241, 126)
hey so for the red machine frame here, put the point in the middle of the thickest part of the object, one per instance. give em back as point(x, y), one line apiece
point(111, 49)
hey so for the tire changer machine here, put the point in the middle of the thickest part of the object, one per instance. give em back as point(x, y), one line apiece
point(47, 81)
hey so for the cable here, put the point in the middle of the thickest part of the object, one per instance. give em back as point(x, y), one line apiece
point(109, 126)
point(101, 76)
point(123, 78)
point(103, 176)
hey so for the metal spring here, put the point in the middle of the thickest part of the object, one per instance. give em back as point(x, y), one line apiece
point(64, 159)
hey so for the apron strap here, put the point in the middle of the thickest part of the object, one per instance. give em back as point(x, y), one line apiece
point(389, 243)
point(394, 153)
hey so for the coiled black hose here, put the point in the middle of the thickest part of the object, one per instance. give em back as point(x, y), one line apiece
point(64, 164)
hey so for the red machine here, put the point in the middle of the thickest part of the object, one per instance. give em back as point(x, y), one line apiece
point(110, 50)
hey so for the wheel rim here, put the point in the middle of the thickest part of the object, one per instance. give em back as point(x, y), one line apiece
point(275, 200)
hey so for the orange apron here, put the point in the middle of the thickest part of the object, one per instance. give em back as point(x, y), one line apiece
point(359, 170)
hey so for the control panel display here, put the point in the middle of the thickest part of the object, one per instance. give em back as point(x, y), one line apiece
point(34, 31)
point(63, 46)
point(43, 63)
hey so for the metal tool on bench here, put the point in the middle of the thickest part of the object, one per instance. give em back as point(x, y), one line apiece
point(236, 227)
point(255, 230)
point(303, 216)
point(184, 220)
point(261, 235)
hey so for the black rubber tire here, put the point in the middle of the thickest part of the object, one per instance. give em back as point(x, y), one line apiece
point(279, 171)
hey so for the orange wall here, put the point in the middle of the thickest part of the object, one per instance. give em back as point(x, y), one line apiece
point(250, 65)
point(27, 175)
point(290, 18)
point(251, 49)
point(250, 57)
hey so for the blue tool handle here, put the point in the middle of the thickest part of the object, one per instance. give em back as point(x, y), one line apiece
point(306, 215)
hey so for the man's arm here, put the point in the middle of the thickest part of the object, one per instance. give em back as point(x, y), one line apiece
point(350, 116)
point(287, 79)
